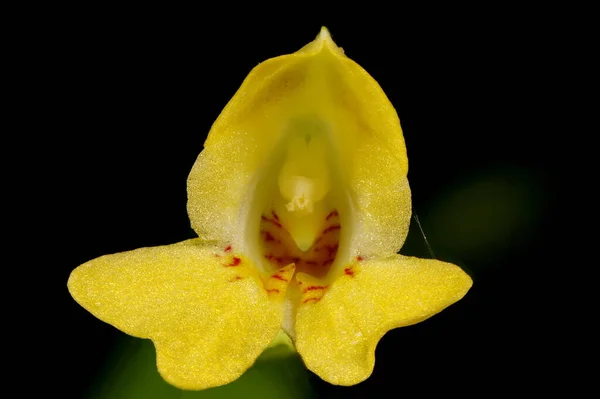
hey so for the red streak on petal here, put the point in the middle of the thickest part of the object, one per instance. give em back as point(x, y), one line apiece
point(332, 214)
point(228, 248)
point(278, 277)
point(311, 299)
point(273, 290)
point(315, 287)
point(331, 228)
point(349, 272)
point(236, 278)
point(359, 258)
point(275, 222)
point(331, 248)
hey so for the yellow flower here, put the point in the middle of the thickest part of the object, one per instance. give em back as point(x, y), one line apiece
point(301, 203)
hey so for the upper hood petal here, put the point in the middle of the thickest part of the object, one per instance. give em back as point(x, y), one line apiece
point(316, 88)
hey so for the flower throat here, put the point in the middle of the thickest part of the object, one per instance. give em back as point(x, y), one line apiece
point(280, 249)
point(302, 226)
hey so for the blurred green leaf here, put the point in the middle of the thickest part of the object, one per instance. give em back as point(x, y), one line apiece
point(485, 215)
point(131, 373)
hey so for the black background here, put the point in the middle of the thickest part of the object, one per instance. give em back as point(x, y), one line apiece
point(128, 100)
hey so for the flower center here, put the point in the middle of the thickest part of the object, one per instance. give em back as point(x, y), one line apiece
point(303, 184)
point(280, 249)
point(302, 227)
point(300, 204)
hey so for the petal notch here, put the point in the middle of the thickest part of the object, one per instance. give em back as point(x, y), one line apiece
point(337, 335)
point(209, 316)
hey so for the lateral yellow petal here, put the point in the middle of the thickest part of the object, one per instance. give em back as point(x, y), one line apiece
point(316, 92)
point(205, 310)
point(337, 335)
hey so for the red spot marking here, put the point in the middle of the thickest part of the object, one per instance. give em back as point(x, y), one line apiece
point(268, 237)
point(331, 228)
point(300, 283)
point(236, 278)
point(275, 215)
point(273, 290)
point(228, 248)
point(332, 214)
point(359, 258)
point(311, 262)
point(328, 262)
point(349, 272)
point(235, 262)
point(270, 256)
point(278, 277)
point(315, 287)
point(311, 299)
point(280, 260)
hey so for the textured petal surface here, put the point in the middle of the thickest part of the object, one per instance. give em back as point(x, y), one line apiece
point(316, 89)
point(206, 311)
point(337, 335)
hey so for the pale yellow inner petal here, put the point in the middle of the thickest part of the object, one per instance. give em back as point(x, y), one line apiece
point(301, 212)
point(304, 183)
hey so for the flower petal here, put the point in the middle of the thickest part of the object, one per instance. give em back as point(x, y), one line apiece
point(320, 92)
point(337, 335)
point(206, 311)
